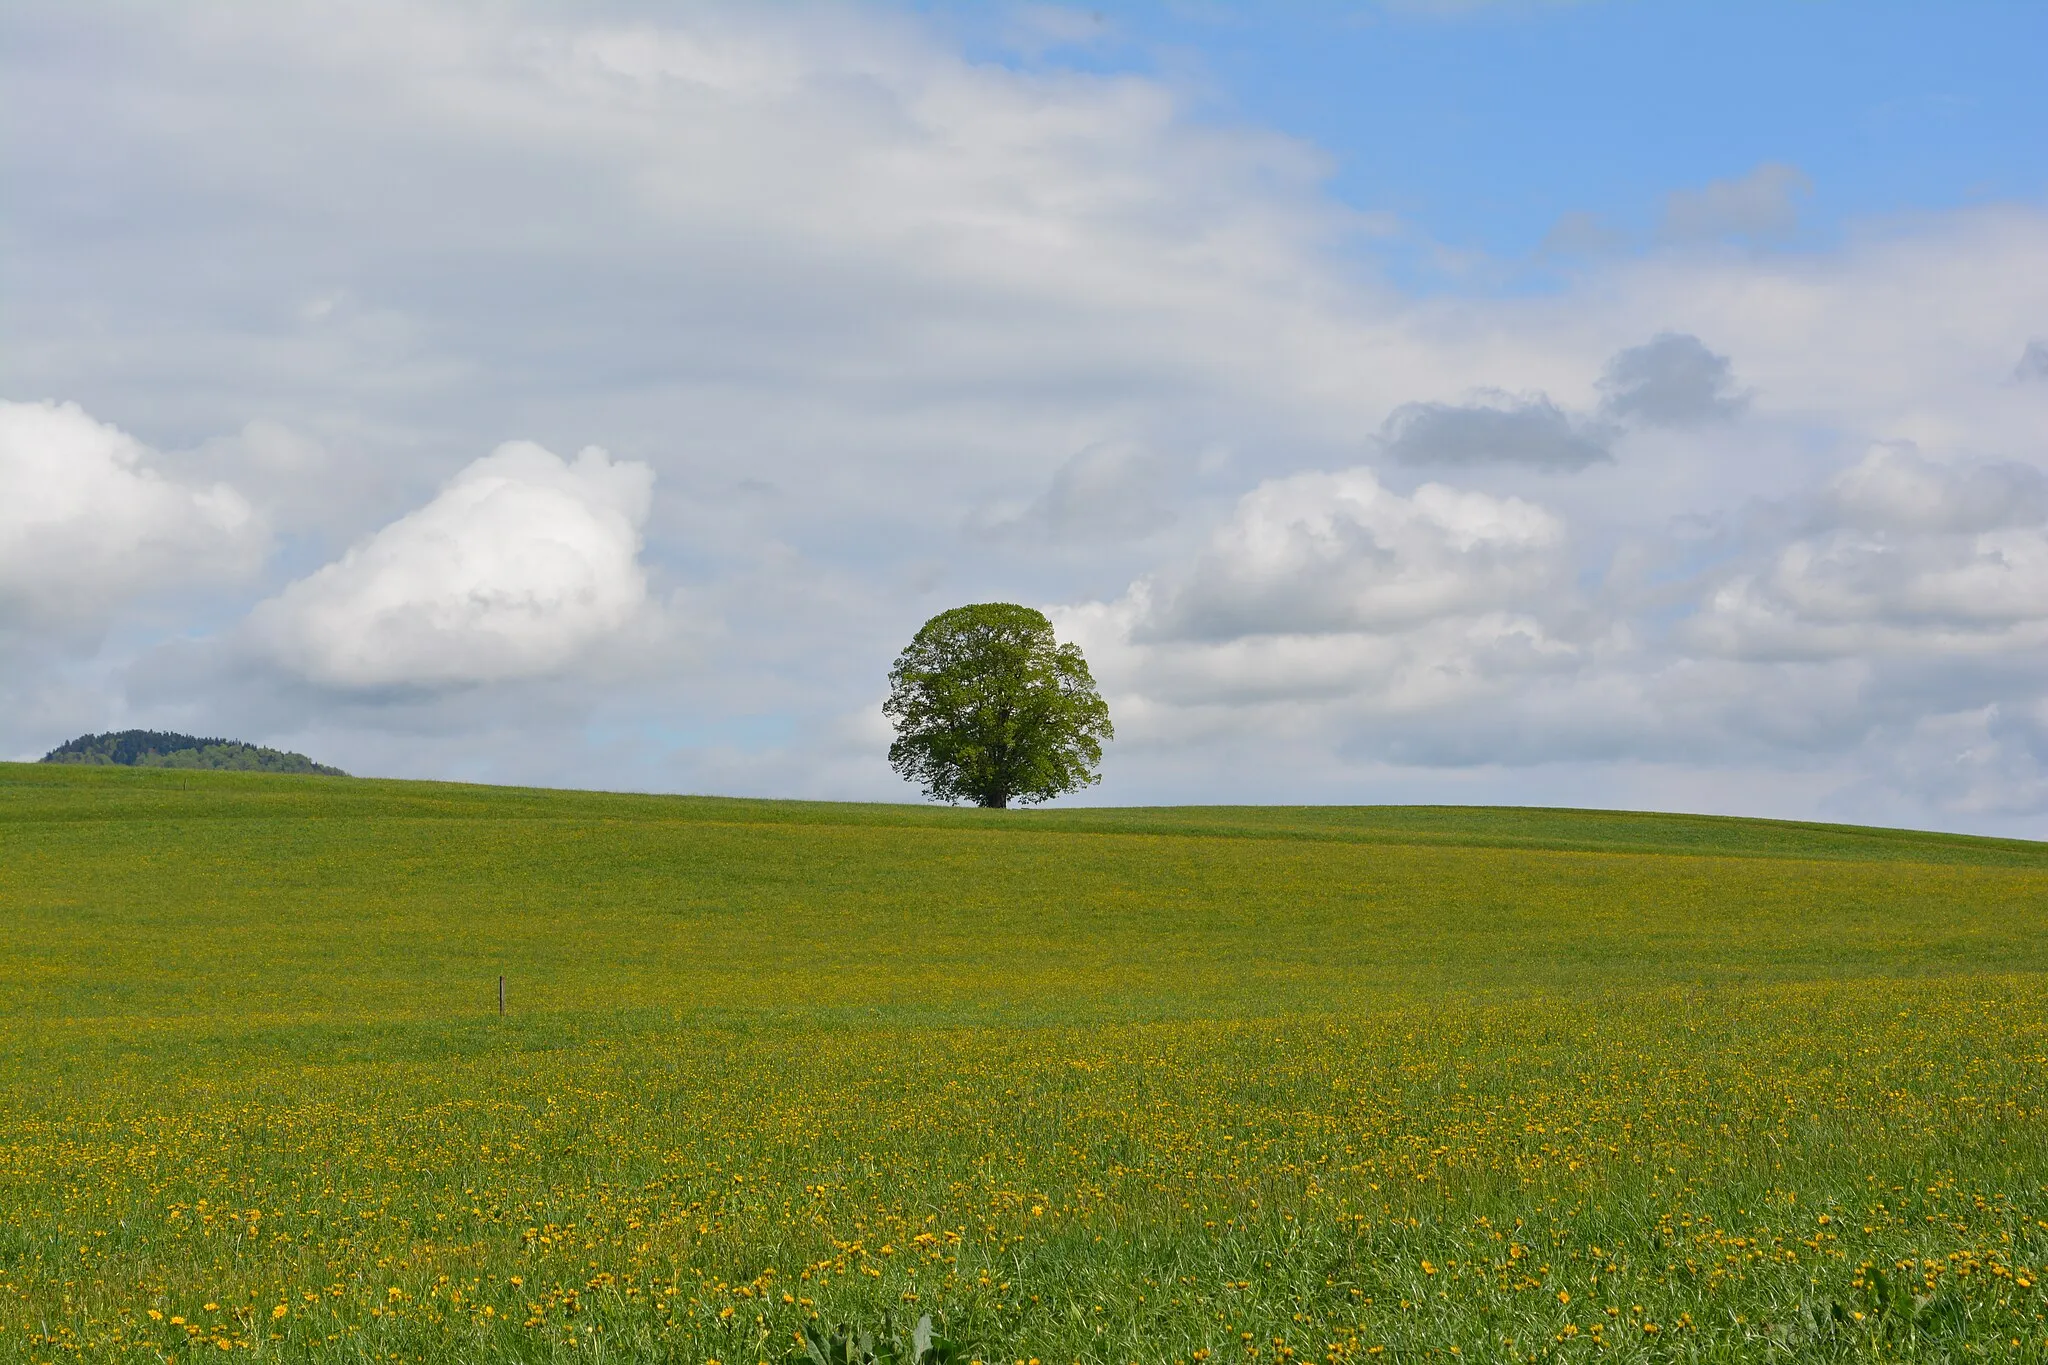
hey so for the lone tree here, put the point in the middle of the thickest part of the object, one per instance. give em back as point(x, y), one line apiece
point(989, 707)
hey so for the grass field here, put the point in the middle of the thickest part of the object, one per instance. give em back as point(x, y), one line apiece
point(1196, 1085)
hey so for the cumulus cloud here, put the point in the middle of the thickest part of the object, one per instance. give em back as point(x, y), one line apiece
point(517, 567)
point(1902, 556)
point(1329, 586)
point(1762, 206)
point(1670, 380)
point(1497, 429)
point(1323, 553)
point(88, 520)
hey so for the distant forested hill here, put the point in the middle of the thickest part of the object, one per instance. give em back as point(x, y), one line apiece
point(158, 749)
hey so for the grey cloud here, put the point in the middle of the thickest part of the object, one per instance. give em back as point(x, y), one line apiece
point(1894, 489)
point(2033, 366)
point(1933, 578)
point(1982, 760)
point(1499, 429)
point(1108, 490)
point(1761, 206)
point(1671, 380)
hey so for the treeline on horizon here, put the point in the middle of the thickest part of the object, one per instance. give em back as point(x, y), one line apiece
point(163, 749)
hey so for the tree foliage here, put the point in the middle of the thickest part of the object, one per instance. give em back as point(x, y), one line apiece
point(162, 749)
point(990, 708)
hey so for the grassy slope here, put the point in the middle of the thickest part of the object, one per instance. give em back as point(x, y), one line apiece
point(309, 946)
point(134, 892)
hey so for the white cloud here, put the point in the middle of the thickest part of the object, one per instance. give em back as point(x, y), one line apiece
point(1329, 585)
point(1903, 556)
point(89, 521)
point(517, 567)
point(1323, 553)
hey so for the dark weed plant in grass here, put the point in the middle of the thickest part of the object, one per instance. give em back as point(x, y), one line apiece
point(843, 1344)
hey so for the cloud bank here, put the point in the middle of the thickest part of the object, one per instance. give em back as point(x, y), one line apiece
point(1898, 600)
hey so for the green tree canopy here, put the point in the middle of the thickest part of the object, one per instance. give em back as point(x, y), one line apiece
point(990, 708)
point(164, 749)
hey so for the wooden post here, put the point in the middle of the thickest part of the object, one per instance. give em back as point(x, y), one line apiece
point(501, 995)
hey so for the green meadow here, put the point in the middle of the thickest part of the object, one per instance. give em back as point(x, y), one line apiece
point(1255, 1085)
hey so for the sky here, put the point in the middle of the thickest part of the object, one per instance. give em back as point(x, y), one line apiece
point(1597, 404)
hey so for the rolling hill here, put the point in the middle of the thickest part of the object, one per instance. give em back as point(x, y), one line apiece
point(161, 749)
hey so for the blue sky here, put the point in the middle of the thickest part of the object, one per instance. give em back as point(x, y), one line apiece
point(1483, 124)
point(1602, 404)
